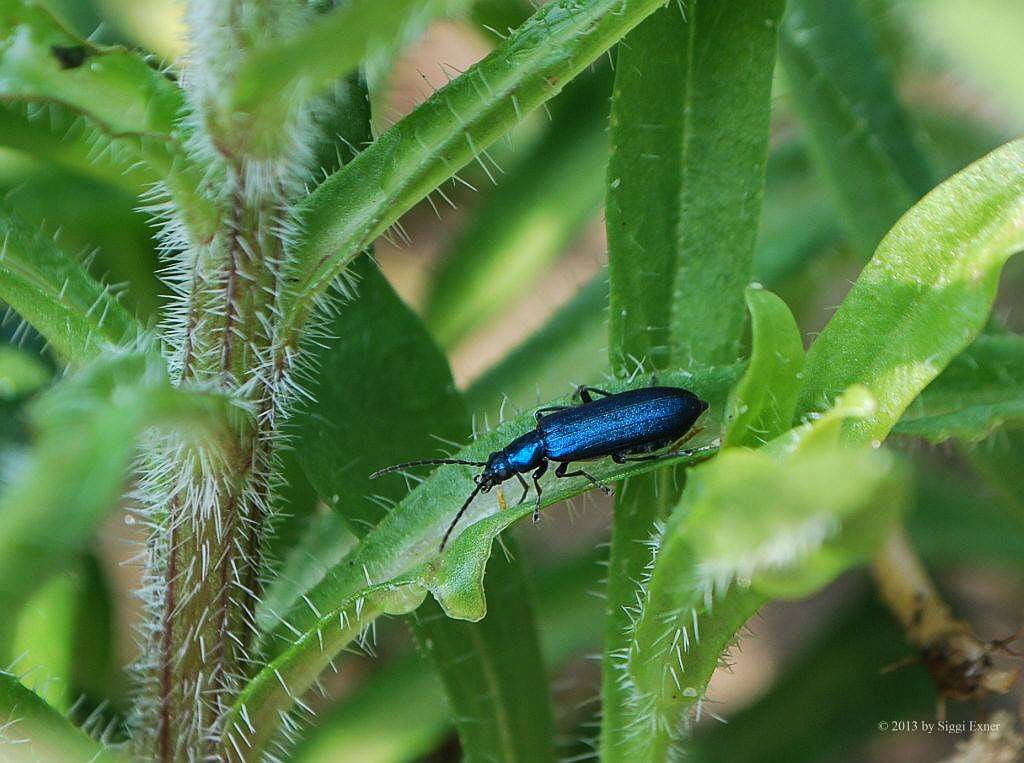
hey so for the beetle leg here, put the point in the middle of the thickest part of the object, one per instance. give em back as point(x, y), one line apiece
point(536, 477)
point(539, 413)
point(561, 472)
point(585, 396)
point(526, 488)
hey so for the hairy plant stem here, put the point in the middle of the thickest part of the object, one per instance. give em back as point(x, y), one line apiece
point(206, 558)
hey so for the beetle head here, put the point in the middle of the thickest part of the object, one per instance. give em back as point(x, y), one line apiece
point(496, 471)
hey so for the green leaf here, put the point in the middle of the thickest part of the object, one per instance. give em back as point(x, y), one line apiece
point(527, 221)
point(762, 403)
point(493, 671)
point(54, 294)
point(861, 140)
point(925, 294)
point(689, 132)
point(358, 203)
point(399, 712)
point(981, 390)
point(87, 426)
point(782, 520)
point(402, 552)
point(115, 89)
point(381, 361)
point(256, 111)
point(689, 135)
point(384, 361)
point(42, 646)
point(34, 731)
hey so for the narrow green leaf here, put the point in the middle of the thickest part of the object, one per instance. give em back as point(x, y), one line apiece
point(690, 135)
point(782, 520)
point(527, 221)
point(34, 731)
point(76, 315)
point(925, 294)
point(358, 203)
point(114, 88)
point(860, 137)
point(981, 390)
point(256, 111)
point(493, 671)
point(762, 403)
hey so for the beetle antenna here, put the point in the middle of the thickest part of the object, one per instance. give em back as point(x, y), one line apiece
point(458, 516)
point(396, 467)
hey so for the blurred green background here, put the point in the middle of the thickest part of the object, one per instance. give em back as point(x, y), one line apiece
point(527, 242)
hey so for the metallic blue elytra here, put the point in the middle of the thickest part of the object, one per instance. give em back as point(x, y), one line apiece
point(627, 426)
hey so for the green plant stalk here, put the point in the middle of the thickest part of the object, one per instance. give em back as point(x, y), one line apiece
point(682, 217)
point(210, 515)
point(360, 201)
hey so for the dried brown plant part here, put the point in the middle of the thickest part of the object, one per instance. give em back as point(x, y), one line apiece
point(960, 663)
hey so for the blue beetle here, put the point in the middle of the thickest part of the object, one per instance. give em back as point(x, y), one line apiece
point(628, 426)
